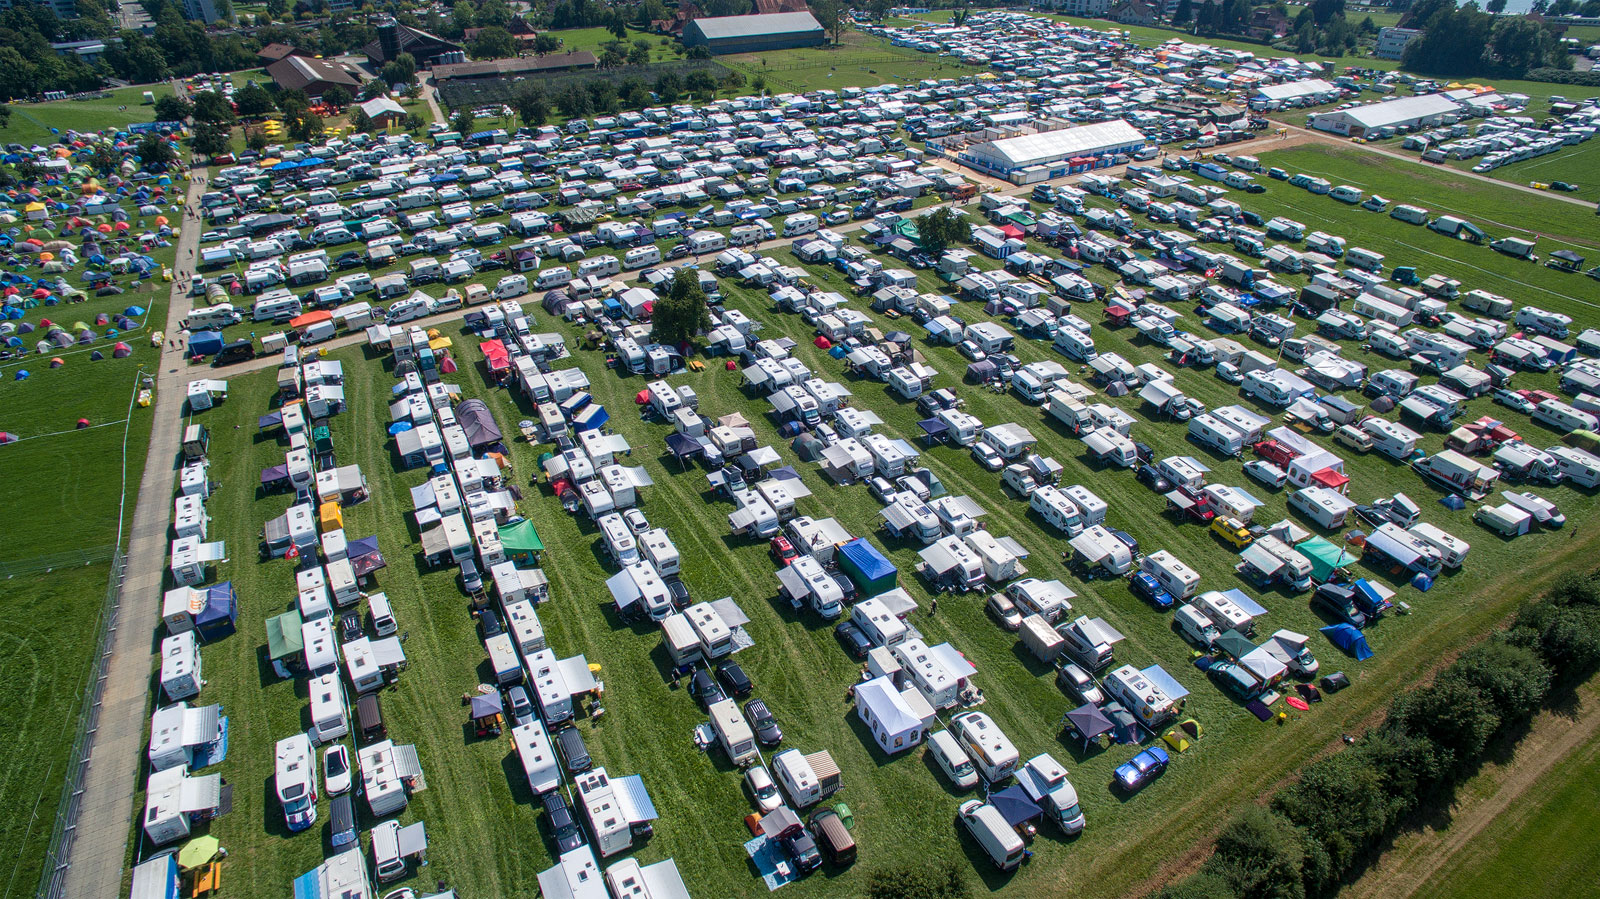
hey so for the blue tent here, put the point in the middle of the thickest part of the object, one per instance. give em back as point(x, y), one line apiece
point(590, 418)
point(862, 563)
point(1014, 805)
point(205, 343)
point(1347, 638)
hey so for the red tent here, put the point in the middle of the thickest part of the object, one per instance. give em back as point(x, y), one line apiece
point(1331, 479)
point(822, 343)
point(310, 318)
point(1013, 232)
point(495, 354)
point(642, 397)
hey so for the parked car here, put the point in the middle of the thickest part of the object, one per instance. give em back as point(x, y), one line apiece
point(881, 488)
point(1003, 611)
point(733, 678)
point(680, 592)
point(1235, 680)
point(1150, 590)
point(636, 522)
point(573, 752)
point(1149, 476)
point(1148, 765)
point(489, 624)
point(763, 723)
point(854, 640)
point(703, 687)
point(1338, 602)
point(519, 705)
point(1515, 401)
point(802, 849)
point(336, 769)
point(985, 455)
point(1079, 684)
point(781, 550)
point(762, 791)
point(563, 827)
point(1266, 473)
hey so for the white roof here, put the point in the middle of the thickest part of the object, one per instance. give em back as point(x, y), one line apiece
point(1061, 143)
point(718, 27)
point(884, 701)
point(1294, 89)
point(1405, 109)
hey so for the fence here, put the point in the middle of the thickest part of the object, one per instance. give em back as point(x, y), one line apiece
point(52, 879)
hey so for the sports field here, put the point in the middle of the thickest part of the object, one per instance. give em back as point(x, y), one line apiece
point(860, 60)
point(476, 805)
point(31, 122)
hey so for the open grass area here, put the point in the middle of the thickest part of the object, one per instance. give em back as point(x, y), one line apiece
point(859, 61)
point(595, 39)
point(486, 839)
point(31, 122)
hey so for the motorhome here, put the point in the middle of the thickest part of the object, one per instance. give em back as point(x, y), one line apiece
point(733, 733)
point(992, 753)
point(1224, 612)
point(1140, 695)
point(295, 781)
point(1452, 550)
point(1176, 577)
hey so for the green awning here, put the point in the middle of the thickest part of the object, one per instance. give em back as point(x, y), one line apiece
point(1325, 557)
point(521, 537)
point(283, 636)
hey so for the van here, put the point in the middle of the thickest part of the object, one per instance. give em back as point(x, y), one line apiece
point(1174, 576)
point(952, 760)
point(1195, 626)
point(1452, 549)
point(275, 307)
point(992, 832)
point(551, 278)
point(409, 309)
point(990, 750)
point(833, 838)
point(1224, 613)
point(208, 317)
point(1353, 437)
point(341, 821)
point(382, 617)
point(511, 286)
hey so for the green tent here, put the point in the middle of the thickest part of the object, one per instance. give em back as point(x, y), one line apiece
point(521, 542)
point(1325, 557)
point(283, 636)
point(1233, 644)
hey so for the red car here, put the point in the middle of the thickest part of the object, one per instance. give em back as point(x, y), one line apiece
point(782, 551)
point(1274, 452)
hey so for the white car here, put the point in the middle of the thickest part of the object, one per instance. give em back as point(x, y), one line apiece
point(763, 792)
point(336, 769)
point(1266, 473)
point(1513, 400)
point(985, 455)
point(636, 522)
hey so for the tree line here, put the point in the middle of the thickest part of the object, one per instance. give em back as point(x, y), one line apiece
point(1466, 42)
point(1322, 831)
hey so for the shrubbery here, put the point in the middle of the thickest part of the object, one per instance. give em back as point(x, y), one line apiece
point(1590, 78)
point(1325, 827)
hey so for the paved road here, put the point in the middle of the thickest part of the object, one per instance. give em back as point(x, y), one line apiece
point(116, 749)
point(429, 89)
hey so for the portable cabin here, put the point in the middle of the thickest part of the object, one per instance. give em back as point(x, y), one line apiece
point(186, 736)
point(180, 666)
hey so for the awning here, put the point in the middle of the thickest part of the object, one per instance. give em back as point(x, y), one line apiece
point(413, 839)
point(1261, 560)
point(731, 614)
point(1011, 546)
point(683, 446)
point(1250, 606)
point(202, 725)
point(953, 661)
point(1090, 721)
point(1101, 630)
point(200, 794)
point(575, 671)
point(1165, 682)
point(898, 602)
point(794, 583)
point(283, 636)
point(406, 762)
point(938, 558)
point(387, 651)
point(633, 800)
point(1263, 665)
point(624, 590)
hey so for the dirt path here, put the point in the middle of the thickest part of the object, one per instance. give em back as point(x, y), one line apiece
point(1553, 738)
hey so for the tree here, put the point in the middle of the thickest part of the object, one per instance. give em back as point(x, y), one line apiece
point(1203, 885)
point(463, 122)
point(1259, 855)
point(337, 96)
point(639, 54)
point(532, 105)
point(360, 121)
point(173, 109)
point(1513, 677)
point(461, 17)
point(494, 42)
point(669, 87)
point(546, 43)
point(252, 100)
point(759, 84)
point(618, 25)
point(256, 139)
point(1455, 715)
point(702, 83)
point(1183, 13)
point(210, 139)
point(1324, 10)
point(574, 101)
point(1496, 7)
point(831, 14)
point(373, 89)
point(153, 151)
point(612, 57)
point(5, 114)
point(940, 229)
point(683, 312)
point(414, 122)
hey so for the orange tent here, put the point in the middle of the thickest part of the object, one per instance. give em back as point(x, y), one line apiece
point(310, 318)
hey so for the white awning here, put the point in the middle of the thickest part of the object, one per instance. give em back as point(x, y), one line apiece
point(663, 881)
point(938, 558)
point(406, 762)
point(741, 519)
point(1261, 560)
point(200, 794)
point(1263, 665)
point(729, 611)
point(1012, 546)
point(623, 588)
point(413, 839)
point(422, 496)
point(956, 506)
point(201, 725)
point(1102, 631)
point(386, 651)
point(763, 455)
point(632, 799)
point(794, 583)
point(898, 602)
point(575, 671)
point(953, 661)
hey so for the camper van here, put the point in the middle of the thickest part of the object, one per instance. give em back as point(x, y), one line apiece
point(1452, 550)
point(990, 750)
point(1174, 576)
point(330, 719)
point(993, 833)
point(1224, 612)
point(538, 756)
point(1057, 510)
point(716, 638)
point(733, 733)
point(1140, 695)
point(295, 782)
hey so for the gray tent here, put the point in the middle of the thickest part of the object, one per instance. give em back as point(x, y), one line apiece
point(478, 422)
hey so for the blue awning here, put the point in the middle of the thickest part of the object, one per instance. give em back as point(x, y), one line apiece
point(1014, 805)
point(1165, 682)
point(308, 886)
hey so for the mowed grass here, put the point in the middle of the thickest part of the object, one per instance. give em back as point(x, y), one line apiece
point(483, 826)
point(1546, 837)
point(31, 122)
point(1575, 165)
point(860, 60)
point(595, 40)
point(63, 489)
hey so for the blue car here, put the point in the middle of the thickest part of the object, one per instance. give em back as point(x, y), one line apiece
point(1141, 769)
point(1150, 590)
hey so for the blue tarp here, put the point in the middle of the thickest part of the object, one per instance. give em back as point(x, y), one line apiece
point(1165, 682)
point(1347, 638)
point(868, 568)
point(590, 418)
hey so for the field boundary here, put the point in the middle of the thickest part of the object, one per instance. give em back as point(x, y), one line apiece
point(52, 561)
point(52, 881)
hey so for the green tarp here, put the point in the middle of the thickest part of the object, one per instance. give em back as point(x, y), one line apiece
point(1325, 557)
point(1233, 644)
point(283, 636)
point(521, 538)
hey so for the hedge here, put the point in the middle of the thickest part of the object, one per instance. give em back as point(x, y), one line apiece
point(1590, 78)
point(1320, 832)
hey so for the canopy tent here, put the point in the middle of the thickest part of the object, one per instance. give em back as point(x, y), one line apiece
point(1014, 805)
point(1325, 557)
point(1349, 639)
point(1089, 722)
point(364, 556)
point(520, 539)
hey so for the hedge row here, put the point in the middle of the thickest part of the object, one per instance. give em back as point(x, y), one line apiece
point(1320, 832)
point(1590, 78)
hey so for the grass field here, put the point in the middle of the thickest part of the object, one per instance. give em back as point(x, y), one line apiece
point(476, 802)
point(595, 39)
point(60, 505)
point(31, 122)
point(859, 61)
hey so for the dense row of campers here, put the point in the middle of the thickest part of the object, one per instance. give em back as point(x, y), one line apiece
point(1390, 438)
point(556, 682)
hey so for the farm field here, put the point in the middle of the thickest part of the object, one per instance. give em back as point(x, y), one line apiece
point(1575, 165)
point(595, 39)
point(476, 799)
point(860, 61)
point(31, 122)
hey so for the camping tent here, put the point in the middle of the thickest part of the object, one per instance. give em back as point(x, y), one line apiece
point(862, 563)
point(1349, 639)
point(1325, 557)
point(1014, 805)
point(1089, 722)
point(478, 422)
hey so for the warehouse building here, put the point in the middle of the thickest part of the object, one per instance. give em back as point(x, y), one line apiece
point(1424, 111)
point(312, 75)
point(1309, 92)
point(427, 49)
point(751, 34)
point(1027, 158)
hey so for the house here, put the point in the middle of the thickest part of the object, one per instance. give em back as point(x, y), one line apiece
point(271, 53)
point(1392, 42)
point(894, 725)
point(395, 39)
point(1267, 24)
point(312, 75)
point(1134, 12)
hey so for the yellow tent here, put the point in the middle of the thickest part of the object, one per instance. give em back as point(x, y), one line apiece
point(438, 343)
point(332, 517)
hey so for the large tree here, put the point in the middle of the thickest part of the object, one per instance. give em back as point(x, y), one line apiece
point(252, 99)
point(210, 106)
point(173, 109)
point(494, 42)
point(154, 150)
point(941, 228)
point(834, 17)
point(684, 312)
point(210, 138)
point(337, 97)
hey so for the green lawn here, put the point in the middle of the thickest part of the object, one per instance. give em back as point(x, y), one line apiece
point(595, 39)
point(859, 61)
point(1545, 837)
point(1575, 165)
point(475, 800)
point(31, 122)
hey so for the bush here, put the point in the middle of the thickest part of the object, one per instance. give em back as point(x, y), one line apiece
point(1590, 78)
point(1458, 717)
point(1567, 637)
point(1259, 855)
point(1513, 677)
point(1339, 803)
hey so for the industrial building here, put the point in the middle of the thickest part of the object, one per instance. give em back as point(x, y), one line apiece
point(1392, 41)
point(1424, 111)
point(1047, 154)
point(427, 49)
point(1307, 92)
point(752, 34)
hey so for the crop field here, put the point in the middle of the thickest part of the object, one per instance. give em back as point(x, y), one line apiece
point(31, 122)
point(859, 61)
point(485, 831)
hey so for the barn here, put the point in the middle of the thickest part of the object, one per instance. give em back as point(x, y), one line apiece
point(751, 34)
